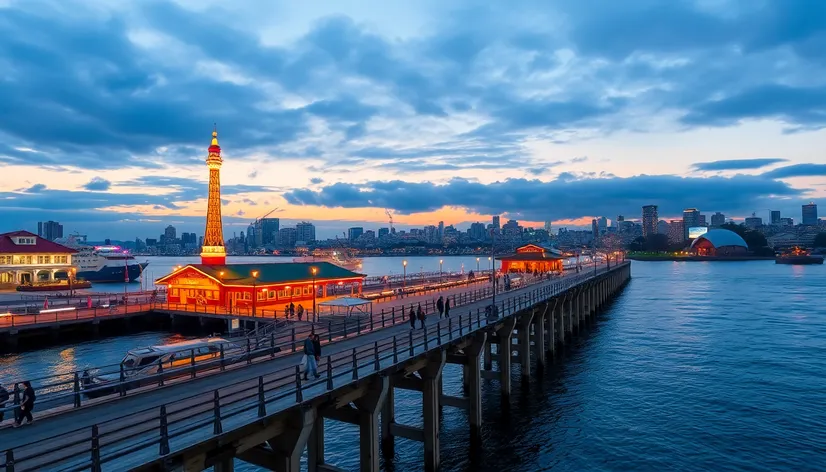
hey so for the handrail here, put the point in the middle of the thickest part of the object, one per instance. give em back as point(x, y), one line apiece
point(207, 415)
point(67, 388)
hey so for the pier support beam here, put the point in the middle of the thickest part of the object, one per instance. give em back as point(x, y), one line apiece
point(315, 446)
point(289, 445)
point(539, 334)
point(432, 376)
point(505, 335)
point(525, 343)
point(473, 353)
point(550, 320)
point(388, 418)
point(368, 407)
point(488, 355)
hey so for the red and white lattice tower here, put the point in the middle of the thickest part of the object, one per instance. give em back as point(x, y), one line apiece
point(213, 251)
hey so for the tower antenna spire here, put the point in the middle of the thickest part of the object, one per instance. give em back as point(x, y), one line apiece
point(213, 251)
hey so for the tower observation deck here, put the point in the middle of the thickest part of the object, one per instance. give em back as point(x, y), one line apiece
point(213, 251)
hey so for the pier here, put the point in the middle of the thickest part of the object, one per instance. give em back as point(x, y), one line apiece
point(265, 414)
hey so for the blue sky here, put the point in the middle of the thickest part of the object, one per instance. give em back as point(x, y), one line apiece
point(334, 111)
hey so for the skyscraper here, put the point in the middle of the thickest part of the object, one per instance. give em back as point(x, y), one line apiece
point(383, 232)
point(354, 233)
point(170, 234)
point(676, 232)
point(809, 214)
point(305, 231)
point(691, 219)
point(213, 251)
point(50, 230)
point(269, 230)
point(496, 222)
point(548, 225)
point(594, 228)
point(441, 230)
point(775, 218)
point(650, 217)
point(718, 219)
point(602, 224)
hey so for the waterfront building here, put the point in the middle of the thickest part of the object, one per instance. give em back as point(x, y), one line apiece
point(170, 234)
point(703, 221)
point(809, 214)
point(266, 233)
point(649, 220)
point(532, 257)
point(354, 233)
point(753, 222)
point(676, 232)
point(775, 218)
point(719, 242)
point(286, 237)
point(260, 286)
point(691, 219)
point(718, 219)
point(384, 232)
point(477, 231)
point(50, 230)
point(26, 258)
point(496, 222)
point(786, 221)
point(305, 231)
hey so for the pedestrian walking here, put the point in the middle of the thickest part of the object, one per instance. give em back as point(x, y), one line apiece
point(440, 305)
point(26, 406)
point(420, 315)
point(447, 308)
point(300, 312)
point(4, 397)
point(309, 355)
point(317, 348)
point(292, 310)
point(412, 318)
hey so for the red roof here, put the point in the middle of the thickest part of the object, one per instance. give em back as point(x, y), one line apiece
point(41, 246)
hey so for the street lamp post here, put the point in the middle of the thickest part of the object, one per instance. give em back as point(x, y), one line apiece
point(404, 276)
point(477, 264)
point(71, 281)
point(440, 270)
point(490, 263)
point(254, 291)
point(492, 272)
point(314, 270)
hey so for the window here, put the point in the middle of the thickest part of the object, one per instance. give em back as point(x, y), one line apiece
point(297, 291)
point(2, 259)
point(282, 294)
point(174, 292)
point(308, 290)
point(60, 259)
point(271, 294)
point(46, 259)
point(148, 360)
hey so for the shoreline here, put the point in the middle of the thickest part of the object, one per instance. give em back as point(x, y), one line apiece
point(699, 258)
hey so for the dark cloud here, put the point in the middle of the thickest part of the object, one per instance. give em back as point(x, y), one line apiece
point(736, 164)
point(316, 180)
point(569, 196)
point(797, 170)
point(97, 184)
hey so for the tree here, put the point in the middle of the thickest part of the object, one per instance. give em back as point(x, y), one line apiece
point(637, 245)
point(754, 239)
point(657, 243)
point(820, 240)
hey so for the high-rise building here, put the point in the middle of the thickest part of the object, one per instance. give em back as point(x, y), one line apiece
point(548, 225)
point(50, 230)
point(286, 237)
point(384, 232)
point(775, 218)
point(477, 231)
point(170, 234)
point(676, 232)
point(786, 221)
point(663, 227)
point(650, 218)
point(441, 230)
point(809, 214)
point(703, 221)
point(354, 233)
point(496, 222)
point(594, 228)
point(305, 231)
point(602, 224)
point(754, 222)
point(213, 251)
point(691, 219)
point(267, 231)
point(718, 219)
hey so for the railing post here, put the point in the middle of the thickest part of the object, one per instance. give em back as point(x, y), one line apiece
point(460, 324)
point(192, 361)
point(376, 362)
point(95, 449)
point(478, 319)
point(164, 444)
point(392, 315)
point(9, 461)
point(292, 338)
point(76, 389)
point(439, 333)
point(216, 428)
point(382, 318)
point(371, 322)
point(395, 351)
point(329, 373)
point(272, 343)
point(262, 406)
point(425, 338)
point(122, 381)
point(355, 365)
point(345, 328)
point(410, 335)
point(450, 329)
point(249, 352)
point(358, 325)
point(160, 372)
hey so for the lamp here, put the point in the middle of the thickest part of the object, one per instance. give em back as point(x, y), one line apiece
point(254, 275)
point(314, 270)
point(440, 270)
point(404, 275)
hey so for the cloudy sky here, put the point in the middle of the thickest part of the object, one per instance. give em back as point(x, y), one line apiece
point(437, 110)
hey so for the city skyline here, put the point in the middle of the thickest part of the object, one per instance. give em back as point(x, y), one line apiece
point(509, 114)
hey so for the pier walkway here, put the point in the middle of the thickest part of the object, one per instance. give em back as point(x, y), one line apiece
point(265, 414)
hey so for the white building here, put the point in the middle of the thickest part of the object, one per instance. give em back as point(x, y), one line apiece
point(26, 258)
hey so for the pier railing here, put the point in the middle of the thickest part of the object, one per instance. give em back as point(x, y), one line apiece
point(156, 431)
point(67, 390)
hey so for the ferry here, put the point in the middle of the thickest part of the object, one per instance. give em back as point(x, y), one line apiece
point(139, 366)
point(798, 256)
point(339, 258)
point(104, 264)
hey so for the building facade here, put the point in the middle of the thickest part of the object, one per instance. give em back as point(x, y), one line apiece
point(718, 219)
point(50, 230)
point(809, 214)
point(530, 258)
point(26, 258)
point(691, 219)
point(650, 218)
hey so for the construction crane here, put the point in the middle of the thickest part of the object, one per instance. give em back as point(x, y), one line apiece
point(389, 215)
point(268, 214)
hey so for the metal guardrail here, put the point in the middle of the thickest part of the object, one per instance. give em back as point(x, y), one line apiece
point(206, 415)
point(67, 389)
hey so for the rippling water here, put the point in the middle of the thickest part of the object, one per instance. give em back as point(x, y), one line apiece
point(695, 366)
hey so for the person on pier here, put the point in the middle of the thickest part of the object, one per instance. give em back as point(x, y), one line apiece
point(447, 307)
point(292, 310)
point(4, 397)
point(440, 305)
point(26, 406)
point(412, 318)
point(309, 356)
point(420, 315)
point(300, 312)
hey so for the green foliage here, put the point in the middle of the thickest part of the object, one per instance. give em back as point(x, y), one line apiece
point(820, 240)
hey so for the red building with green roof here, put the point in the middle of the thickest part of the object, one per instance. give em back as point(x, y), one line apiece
point(264, 286)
